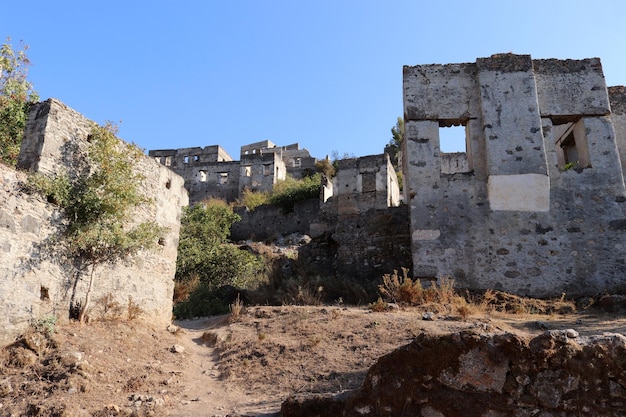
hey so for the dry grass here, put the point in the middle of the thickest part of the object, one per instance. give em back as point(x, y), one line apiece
point(182, 289)
point(236, 310)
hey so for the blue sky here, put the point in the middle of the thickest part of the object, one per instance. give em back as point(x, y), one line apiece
point(325, 73)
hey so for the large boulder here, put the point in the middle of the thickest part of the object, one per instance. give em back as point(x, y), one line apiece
point(468, 374)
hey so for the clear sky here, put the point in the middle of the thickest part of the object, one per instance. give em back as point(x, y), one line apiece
point(324, 73)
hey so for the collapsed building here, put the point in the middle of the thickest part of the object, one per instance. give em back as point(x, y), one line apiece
point(210, 172)
point(535, 205)
point(38, 280)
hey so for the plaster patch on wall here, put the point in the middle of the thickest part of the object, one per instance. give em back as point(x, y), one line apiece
point(426, 234)
point(522, 192)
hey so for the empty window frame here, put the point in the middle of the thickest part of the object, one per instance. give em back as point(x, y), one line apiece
point(247, 171)
point(453, 146)
point(296, 162)
point(572, 150)
point(202, 176)
point(168, 161)
point(223, 177)
point(186, 159)
point(452, 139)
point(267, 169)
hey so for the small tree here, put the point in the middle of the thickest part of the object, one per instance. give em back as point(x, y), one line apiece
point(98, 202)
point(397, 137)
point(16, 95)
point(207, 262)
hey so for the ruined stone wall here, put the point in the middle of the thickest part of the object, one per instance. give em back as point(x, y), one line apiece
point(515, 221)
point(364, 183)
point(259, 172)
point(268, 222)
point(208, 172)
point(36, 283)
point(617, 97)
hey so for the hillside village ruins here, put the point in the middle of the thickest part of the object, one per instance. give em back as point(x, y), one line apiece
point(534, 206)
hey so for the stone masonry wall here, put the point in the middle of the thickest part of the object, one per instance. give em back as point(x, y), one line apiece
point(268, 222)
point(37, 284)
point(519, 220)
point(617, 97)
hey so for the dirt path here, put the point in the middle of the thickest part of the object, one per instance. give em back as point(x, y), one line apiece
point(205, 394)
point(271, 353)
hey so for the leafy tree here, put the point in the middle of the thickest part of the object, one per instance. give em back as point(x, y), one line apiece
point(16, 95)
point(98, 199)
point(397, 137)
point(204, 227)
point(325, 167)
point(206, 257)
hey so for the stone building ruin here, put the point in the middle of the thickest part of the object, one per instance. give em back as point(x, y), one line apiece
point(35, 284)
point(210, 172)
point(535, 205)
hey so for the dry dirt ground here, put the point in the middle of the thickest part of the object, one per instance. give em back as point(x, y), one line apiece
point(219, 367)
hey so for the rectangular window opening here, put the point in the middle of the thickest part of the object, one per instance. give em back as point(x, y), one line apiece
point(168, 161)
point(202, 176)
point(571, 145)
point(452, 139)
point(186, 159)
point(453, 146)
point(248, 171)
point(223, 177)
point(267, 170)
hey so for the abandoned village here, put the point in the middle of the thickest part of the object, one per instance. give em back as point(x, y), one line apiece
point(536, 205)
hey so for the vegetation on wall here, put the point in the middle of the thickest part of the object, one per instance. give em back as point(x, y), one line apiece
point(285, 194)
point(98, 197)
point(207, 262)
point(16, 96)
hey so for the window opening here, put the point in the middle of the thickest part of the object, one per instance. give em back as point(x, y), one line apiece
point(452, 139)
point(168, 161)
point(186, 159)
point(203, 176)
point(267, 170)
point(223, 177)
point(196, 158)
point(297, 163)
point(454, 155)
point(572, 150)
point(248, 171)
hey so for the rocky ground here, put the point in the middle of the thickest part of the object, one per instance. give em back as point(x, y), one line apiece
point(241, 365)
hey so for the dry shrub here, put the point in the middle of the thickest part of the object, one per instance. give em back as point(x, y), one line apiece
point(183, 288)
point(236, 310)
point(404, 290)
point(134, 310)
point(108, 307)
point(379, 306)
point(499, 301)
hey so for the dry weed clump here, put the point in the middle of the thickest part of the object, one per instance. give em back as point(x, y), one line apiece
point(404, 290)
point(440, 297)
point(110, 310)
point(236, 310)
point(183, 288)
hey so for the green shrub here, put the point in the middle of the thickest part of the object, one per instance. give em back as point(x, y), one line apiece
point(252, 199)
point(16, 96)
point(209, 262)
point(290, 191)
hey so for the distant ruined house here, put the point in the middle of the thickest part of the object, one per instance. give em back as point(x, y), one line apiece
point(536, 203)
point(210, 172)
